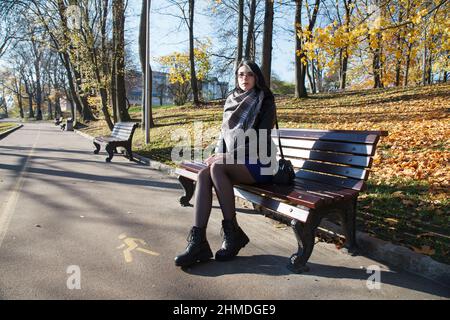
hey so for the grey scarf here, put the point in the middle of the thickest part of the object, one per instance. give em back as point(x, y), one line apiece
point(239, 115)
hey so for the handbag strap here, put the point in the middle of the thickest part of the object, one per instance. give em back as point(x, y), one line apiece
point(278, 134)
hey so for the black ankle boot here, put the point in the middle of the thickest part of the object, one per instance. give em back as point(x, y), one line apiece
point(197, 249)
point(234, 240)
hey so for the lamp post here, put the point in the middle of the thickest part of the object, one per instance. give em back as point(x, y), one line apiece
point(148, 76)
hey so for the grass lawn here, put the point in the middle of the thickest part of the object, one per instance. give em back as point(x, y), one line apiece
point(407, 201)
point(4, 126)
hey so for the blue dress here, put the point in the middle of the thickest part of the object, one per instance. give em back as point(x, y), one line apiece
point(255, 171)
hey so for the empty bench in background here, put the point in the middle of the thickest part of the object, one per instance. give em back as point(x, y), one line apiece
point(331, 169)
point(58, 121)
point(121, 136)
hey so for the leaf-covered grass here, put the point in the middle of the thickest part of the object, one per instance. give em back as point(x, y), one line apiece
point(408, 188)
point(4, 126)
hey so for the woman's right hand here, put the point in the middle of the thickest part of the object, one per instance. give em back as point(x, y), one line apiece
point(217, 157)
point(210, 160)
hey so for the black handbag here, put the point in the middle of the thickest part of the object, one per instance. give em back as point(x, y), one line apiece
point(285, 174)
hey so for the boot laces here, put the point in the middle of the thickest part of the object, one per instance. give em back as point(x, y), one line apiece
point(190, 236)
point(227, 235)
point(193, 236)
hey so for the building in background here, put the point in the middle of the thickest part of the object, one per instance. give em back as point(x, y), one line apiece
point(211, 89)
point(160, 89)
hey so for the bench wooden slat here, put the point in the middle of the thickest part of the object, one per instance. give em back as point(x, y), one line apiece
point(345, 171)
point(333, 180)
point(289, 193)
point(313, 186)
point(122, 129)
point(121, 132)
point(272, 204)
point(193, 166)
point(121, 137)
point(353, 148)
point(370, 137)
point(325, 186)
point(353, 160)
point(125, 124)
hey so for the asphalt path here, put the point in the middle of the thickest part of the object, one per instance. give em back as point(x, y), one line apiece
point(75, 227)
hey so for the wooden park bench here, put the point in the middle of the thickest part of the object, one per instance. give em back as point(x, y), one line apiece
point(58, 121)
point(121, 136)
point(331, 169)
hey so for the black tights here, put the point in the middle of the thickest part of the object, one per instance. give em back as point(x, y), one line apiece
point(222, 177)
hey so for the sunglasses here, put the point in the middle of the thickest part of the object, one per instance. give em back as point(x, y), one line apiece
point(243, 74)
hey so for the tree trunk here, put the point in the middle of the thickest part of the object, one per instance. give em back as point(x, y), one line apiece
point(429, 68)
point(376, 63)
point(86, 112)
point(58, 112)
point(73, 92)
point(345, 51)
point(119, 30)
point(319, 79)
point(267, 42)
point(250, 31)
point(311, 79)
point(20, 103)
point(400, 41)
point(77, 95)
point(344, 64)
point(194, 84)
point(30, 101)
point(105, 69)
point(407, 64)
point(300, 88)
point(424, 61)
point(302, 62)
point(376, 60)
point(18, 92)
point(70, 98)
point(240, 39)
point(22, 116)
point(376, 68)
point(49, 110)
point(38, 89)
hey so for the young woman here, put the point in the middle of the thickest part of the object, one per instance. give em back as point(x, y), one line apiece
point(249, 106)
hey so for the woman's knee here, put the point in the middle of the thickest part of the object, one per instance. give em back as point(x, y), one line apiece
point(217, 170)
point(204, 176)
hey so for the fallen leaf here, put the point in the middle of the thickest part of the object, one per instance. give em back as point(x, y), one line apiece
point(408, 203)
point(399, 194)
point(391, 220)
point(424, 250)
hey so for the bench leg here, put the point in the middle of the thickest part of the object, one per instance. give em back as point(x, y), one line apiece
point(348, 217)
point(97, 147)
point(189, 188)
point(129, 152)
point(110, 150)
point(305, 234)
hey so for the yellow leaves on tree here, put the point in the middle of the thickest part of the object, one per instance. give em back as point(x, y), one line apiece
point(178, 64)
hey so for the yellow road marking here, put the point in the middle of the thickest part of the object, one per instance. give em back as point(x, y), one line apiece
point(133, 244)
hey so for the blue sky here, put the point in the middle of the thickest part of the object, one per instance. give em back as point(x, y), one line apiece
point(166, 39)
